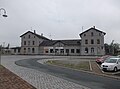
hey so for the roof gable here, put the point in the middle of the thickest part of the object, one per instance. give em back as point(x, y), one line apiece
point(39, 36)
point(92, 28)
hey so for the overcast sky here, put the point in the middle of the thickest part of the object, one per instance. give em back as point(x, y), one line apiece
point(59, 19)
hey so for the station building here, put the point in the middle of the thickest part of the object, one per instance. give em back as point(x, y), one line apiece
point(91, 42)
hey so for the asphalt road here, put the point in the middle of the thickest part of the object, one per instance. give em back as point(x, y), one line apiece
point(90, 80)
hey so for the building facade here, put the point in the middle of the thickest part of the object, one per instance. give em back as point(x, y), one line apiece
point(30, 42)
point(60, 47)
point(91, 43)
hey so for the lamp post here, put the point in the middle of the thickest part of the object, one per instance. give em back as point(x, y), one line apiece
point(4, 11)
point(0, 53)
point(4, 15)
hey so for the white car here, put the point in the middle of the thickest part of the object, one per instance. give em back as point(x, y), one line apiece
point(111, 64)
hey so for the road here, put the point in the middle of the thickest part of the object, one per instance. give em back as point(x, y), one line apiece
point(90, 80)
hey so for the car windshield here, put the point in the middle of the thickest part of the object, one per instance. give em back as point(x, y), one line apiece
point(111, 60)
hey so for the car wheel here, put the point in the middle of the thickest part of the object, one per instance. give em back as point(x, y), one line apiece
point(115, 69)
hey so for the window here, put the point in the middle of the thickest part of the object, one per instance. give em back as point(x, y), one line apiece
point(72, 50)
point(92, 50)
point(51, 51)
point(99, 34)
point(56, 50)
point(28, 49)
point(33, 42)
point(14, 50)
point(28, 36)
point(86, 50)
point(24, 42)
point(92, 34)
point(46, 51)
point(119, 61)
point(102, 47)
point(67, 50)
point(92, 41)
point(84, 34)
point(24, 50)
point(61, 50)
point(98, 41)
point(77, 50)
point(18, 50)
point(33, 50)
point(28, 42)
point(86, 41)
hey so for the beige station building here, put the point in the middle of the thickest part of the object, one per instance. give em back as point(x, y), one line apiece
point(91, 42)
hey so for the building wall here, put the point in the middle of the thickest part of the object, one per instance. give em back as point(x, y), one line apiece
point(63, 50)
point(94, 48)
point(15, 51)
point(30, 44)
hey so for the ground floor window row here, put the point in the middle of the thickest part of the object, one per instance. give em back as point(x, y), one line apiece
point(92, 49)
point(29, 50)
point(62, 51)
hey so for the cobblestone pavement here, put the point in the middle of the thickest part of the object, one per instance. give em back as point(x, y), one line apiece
point(38, 79)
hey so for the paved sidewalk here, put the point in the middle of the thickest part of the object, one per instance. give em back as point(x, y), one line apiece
point(38, 79)
point(9, 80)
point(95, 68)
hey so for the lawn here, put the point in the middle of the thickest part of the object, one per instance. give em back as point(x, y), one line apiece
point(81, 65)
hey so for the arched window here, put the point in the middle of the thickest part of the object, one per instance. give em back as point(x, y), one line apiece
point(28, 50)
point(92, 50)
point(24, 50)
point(33, 50)
point(86, 50)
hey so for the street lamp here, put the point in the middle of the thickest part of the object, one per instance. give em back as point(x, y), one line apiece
point(4, 11)
point(4, 15)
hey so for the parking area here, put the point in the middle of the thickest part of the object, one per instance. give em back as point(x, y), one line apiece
point(97, 69)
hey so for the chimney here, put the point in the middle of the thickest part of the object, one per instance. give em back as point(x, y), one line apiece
point(34, 31)
point(41, 34)
point(93, 26)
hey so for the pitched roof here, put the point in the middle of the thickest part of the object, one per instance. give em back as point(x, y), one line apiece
point(39, 36)
point(92, 28)
point(15, 48)
point(65, 42)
